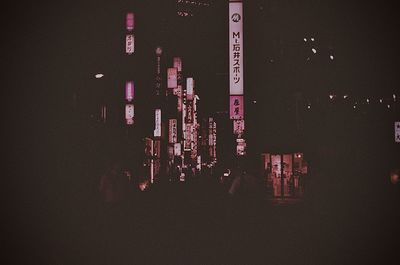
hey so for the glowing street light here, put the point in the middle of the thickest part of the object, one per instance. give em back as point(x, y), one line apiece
point(305, 39)
point(314, 50)
point(312, 39)
point(345, 96)
point(331, 56)
point(98, 76)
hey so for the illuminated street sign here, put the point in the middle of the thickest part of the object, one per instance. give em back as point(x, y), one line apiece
point(130, 21)
point(236, 48)
point(129, 113)
point(238, 127)
point(189, 88)
point(130, 44)
point(173, 131)
point(236, 108)
point(172, 76)
point(178, 63)
point(129, 90)
point(157, 127)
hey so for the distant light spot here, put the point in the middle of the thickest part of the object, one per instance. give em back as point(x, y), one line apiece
point(314, 50)
point(305, 39)
point(99, 76)
point(312, 39)
point(331, 57)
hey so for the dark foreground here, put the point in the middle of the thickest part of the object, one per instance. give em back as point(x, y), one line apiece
point(199, 223)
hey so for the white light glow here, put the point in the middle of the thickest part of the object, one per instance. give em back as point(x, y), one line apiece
point(305, 40)
point(331, 57)
point(98, 76)
point(312, 39)
point(314, 50)
point(331, 96)
point(345, 96)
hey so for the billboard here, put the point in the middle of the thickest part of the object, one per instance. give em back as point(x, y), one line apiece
point(129, 90)
point(187, 144)
point(172, 77)
point(173, 131)
point(178, 63)
point(189, 88)
point(157, 126)
point(236, 48)
point(130, 44)
point(130, 21)
point(236, 109)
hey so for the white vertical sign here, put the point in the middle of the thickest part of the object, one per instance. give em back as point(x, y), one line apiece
point(236, 48)
point(130, 44)
point(157, 127)
point(189, 88)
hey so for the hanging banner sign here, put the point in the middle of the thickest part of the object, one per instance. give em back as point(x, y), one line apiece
point(189, 112)
point(189, 88)
point(157, 130)
point(173, 131)
point(236, 48)
point(129, 113)
point(397, 131)
point(236, 108)
point(130, 44)
point(178, 63)
point(238, 127)
point(130, 21)
point(172, 76)
point(129, 90)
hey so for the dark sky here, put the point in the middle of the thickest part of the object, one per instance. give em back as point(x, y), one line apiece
point(55, 47)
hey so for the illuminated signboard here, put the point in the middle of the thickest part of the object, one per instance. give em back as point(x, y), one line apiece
point(173, 131)
point(130, 21)
point(236, 108)
point(397, 131)
point(172, 76)
point(129, 113)
point(187, 138)
point(178, 63)
point(189, 88)
point(157, 130)
point(130, 44)
point(189, 112)
point(129, 91)
point(238, 127)
point(177, 149)
point(236, 48)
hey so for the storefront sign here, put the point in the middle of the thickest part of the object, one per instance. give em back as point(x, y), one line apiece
point(173, 131)
point(157, 130)
point(236, 48)
point(130, 44)
point(129, 90)
point(236, 108)
point(172, 75)
point(130, 21)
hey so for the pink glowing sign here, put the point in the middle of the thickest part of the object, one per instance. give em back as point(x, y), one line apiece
point(172, 76)
point(129, 90)
point(178, 63)
point(236, 108)
point(130, 21)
